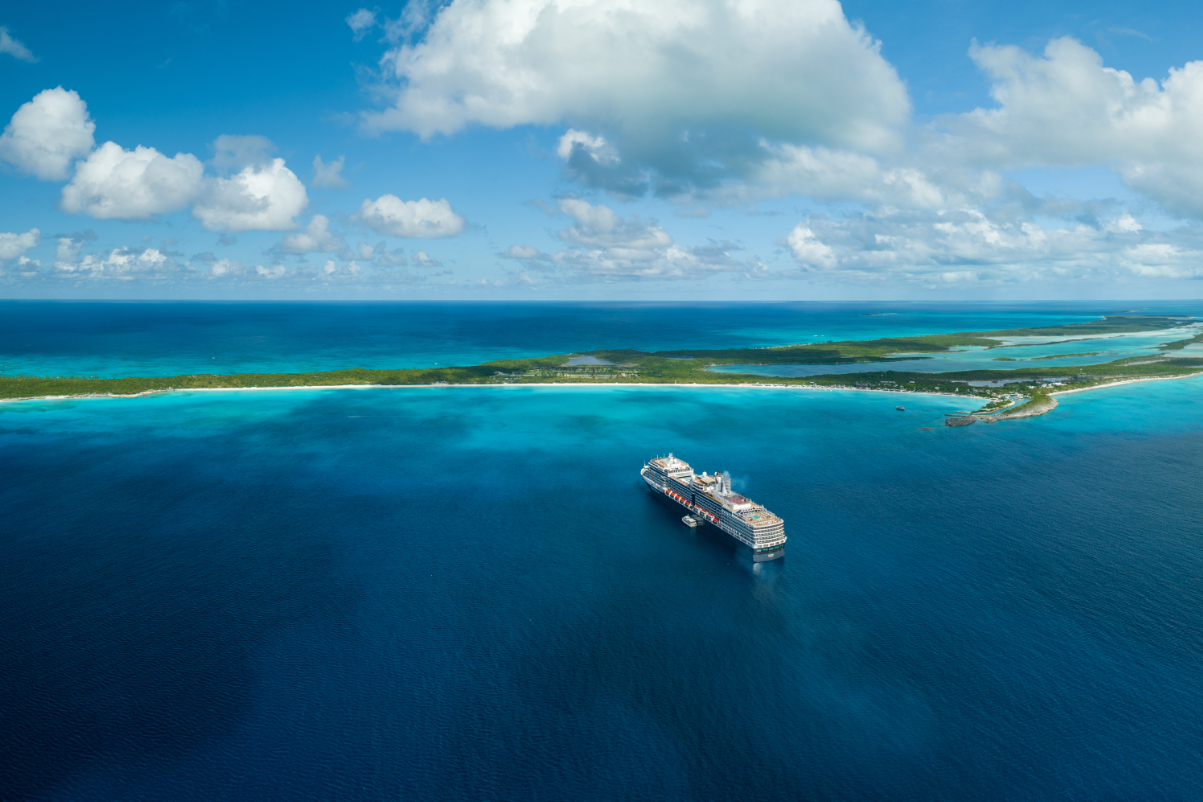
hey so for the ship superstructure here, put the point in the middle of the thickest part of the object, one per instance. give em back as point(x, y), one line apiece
point(711, 502)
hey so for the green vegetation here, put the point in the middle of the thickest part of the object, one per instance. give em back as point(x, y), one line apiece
point(670, 367)
point(835, 353)
point(1064, 356)
point(997, 403)
point(1036, 398)
point(1111, 324)
point(1042, 358)
point(1178, 345)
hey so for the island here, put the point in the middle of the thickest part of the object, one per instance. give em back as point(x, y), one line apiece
point(1011, 393)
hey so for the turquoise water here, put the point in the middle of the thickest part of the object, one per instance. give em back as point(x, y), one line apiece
point(167, 339)
point(1026, 351)
point(450, 593)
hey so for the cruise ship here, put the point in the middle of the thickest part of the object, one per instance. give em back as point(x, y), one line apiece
point(712, 505)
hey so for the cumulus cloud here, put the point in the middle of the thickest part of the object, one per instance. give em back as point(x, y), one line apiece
point(333, 270)
point(599, 226)
point(121, 263)
point(841, 175)
point(524, 252)
point(684, 86)
point(421, 219)
point(260, 197)
point(225, 268)
point(14, 48)
point(47, 134)
point(593, 161)
point(14, 246)
point(118, 184)
point(808, 249)
point(1064, 108)
point(595, 147)
point(271, 273)
point(969, 245)
point(613, 248)
point(328, 175)
point(66, 251)
point(423, 259)
point(316, 238)
point(361, 22)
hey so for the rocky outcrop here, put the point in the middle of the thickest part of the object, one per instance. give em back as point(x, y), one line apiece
point(1032, 409)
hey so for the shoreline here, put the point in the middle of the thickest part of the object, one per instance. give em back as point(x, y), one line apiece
point(511, 384)
point(1128, 381)
point(759, 386)
point(573, 384)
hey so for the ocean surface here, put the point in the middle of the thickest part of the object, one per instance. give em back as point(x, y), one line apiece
point(467, 593)
point(48, 338)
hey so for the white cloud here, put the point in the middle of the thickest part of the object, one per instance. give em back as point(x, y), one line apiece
point(118, 184)
point(14, 48)
point(420, 219)
point(808, 249)
point(523, 252)
point(328, 175)
point(316, 238)
point(333, 270)
point(841, 175)
point(225, 267)
point(613, 248)
point(271, 273)
point(1124, 224)
point(47, 134)
point(14, 246)
point(66, 252)
point(600, 226)
point(121, 263)
point(671, 83)
point(595, 146)
point(423, 259)
point(361, 22)
point(258, 198)
point(1065, 109)
point(940, 248)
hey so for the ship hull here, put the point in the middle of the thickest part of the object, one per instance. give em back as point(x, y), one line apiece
point(718, 534)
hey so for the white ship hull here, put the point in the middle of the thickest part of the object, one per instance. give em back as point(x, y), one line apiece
point(707, 520)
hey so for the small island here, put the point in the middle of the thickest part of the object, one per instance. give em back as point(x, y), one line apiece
point(1036, 385)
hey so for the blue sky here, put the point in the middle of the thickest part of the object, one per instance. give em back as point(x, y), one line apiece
point(514, 149)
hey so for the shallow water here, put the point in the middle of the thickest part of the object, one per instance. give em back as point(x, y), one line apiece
point(166, 339)
point(449, 593)
point(1027, 352)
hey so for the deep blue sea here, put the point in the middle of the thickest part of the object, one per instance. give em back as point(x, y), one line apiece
point(466, 593)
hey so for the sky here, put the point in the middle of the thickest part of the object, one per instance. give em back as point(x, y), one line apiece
point(581, 150)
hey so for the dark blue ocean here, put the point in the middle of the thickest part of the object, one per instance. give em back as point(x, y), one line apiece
point(458, 593)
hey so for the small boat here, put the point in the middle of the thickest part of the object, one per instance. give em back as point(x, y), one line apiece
point(689, 521)
point(900, 409)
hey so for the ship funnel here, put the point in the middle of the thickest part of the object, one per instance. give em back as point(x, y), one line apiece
point(726, 483)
